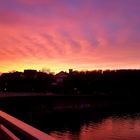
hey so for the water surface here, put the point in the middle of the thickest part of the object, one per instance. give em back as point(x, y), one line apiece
point(113, 127)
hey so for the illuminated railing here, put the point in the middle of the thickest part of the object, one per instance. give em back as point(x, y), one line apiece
point(14, 129)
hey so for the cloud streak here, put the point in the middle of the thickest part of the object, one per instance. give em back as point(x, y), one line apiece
point(69, 34)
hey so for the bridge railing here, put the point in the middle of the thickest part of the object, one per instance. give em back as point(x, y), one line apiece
point(12, 128)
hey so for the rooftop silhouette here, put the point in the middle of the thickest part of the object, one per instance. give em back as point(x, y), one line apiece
point(97, 82)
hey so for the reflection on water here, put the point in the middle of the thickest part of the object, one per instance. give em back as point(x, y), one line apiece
point(114, 127)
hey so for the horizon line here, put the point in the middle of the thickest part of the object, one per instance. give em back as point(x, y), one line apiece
point(49, 71)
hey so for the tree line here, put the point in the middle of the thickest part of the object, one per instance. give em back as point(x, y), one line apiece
point(97, 82)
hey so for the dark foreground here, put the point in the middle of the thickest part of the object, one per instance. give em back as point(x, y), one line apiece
point(78, 118)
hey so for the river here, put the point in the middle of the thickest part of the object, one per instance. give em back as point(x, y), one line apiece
point(104, 123)
point(113, 127)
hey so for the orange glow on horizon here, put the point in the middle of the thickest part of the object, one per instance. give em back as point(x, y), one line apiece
point(62, 35)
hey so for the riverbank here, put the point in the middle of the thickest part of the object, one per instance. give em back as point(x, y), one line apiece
point(48, 104)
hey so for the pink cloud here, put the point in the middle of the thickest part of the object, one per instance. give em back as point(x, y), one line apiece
point(93, 35)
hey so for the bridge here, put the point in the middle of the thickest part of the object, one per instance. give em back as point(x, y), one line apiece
point(12, 128)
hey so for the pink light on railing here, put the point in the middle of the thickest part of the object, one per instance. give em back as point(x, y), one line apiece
point(23, 128)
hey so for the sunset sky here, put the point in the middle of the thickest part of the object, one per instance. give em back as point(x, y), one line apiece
point(63, 34)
